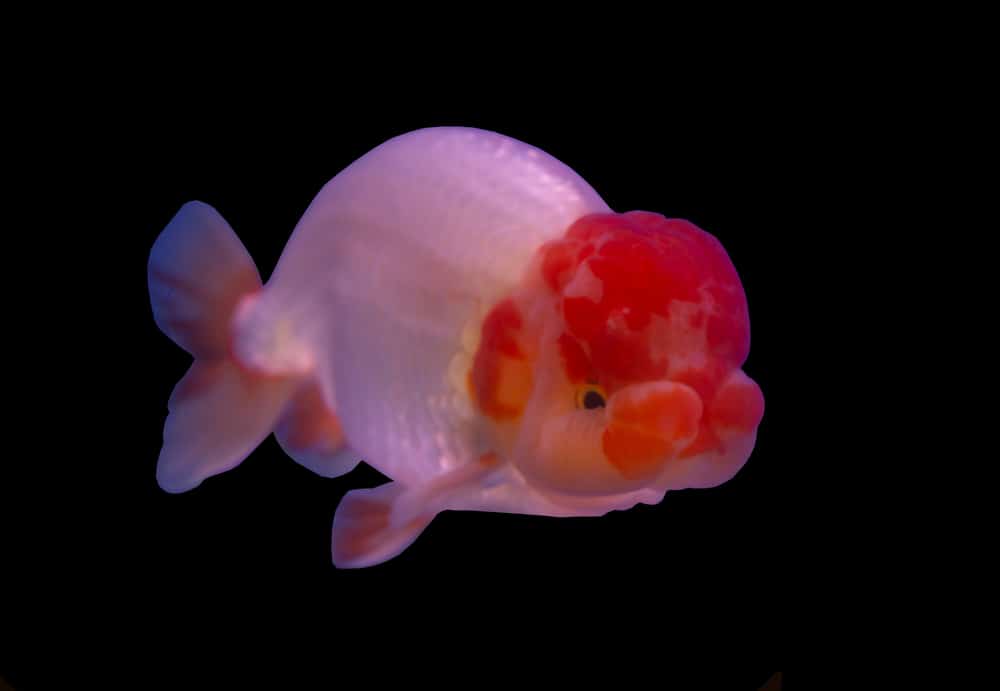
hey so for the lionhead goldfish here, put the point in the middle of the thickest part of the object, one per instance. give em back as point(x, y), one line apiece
point(463, 312)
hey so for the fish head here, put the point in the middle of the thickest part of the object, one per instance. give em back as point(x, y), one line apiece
point(619, 368)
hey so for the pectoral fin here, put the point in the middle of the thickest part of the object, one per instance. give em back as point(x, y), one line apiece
point(366, 533)
point(374, 525)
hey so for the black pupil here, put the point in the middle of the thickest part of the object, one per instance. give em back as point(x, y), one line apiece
point(592, 399)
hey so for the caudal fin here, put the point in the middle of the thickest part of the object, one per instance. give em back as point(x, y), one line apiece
point(199, 272)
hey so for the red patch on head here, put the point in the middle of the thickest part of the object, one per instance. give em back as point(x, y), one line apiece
point(500, 378)
point(557, 263)
point(575, 361)
point(500, 329)
point(704, 380)
point(645, 263)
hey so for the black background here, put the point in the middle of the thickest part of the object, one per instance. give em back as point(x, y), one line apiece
point(248, 552)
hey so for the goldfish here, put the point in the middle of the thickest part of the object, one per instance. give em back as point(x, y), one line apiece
point(463, 312)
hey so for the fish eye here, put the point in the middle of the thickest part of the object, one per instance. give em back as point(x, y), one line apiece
point(591, 396)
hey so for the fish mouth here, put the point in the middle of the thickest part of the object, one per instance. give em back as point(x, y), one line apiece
point(648, 424)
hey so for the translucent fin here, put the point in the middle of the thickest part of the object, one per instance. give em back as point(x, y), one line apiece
point(310, 433)
point(365, 531)
point(375, 525)
point(199, 272)
point(218, 415)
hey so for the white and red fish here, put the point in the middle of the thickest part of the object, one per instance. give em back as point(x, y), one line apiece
point(463, 312)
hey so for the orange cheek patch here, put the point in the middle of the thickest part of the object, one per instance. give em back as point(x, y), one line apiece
point(500, 385)
point(646, 423)
point(501, 328)
point(634, 453)
point(500, 380)
point(674, 412)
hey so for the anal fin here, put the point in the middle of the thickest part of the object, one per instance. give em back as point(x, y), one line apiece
point(310, 432)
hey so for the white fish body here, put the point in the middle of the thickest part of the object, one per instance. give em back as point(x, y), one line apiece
point(394, 257)
point(375, 311)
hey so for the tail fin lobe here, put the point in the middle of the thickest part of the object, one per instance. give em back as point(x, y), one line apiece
point(219, 413)
point(199, 272)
